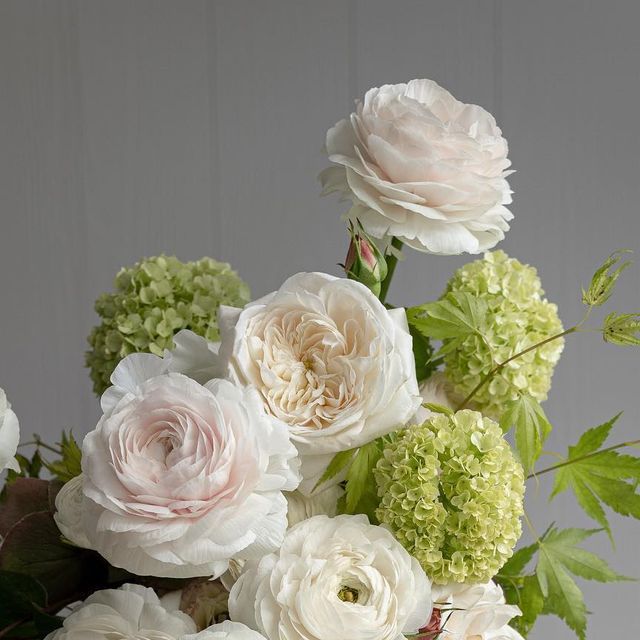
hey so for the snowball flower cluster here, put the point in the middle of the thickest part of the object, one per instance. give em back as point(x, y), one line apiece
point(519, 316)
point(424, 167)
point(136, 612)
point(334, 578)
point(153, 300)
point(328, 360)
point(452, 493)
point(9, 435)
point(178, 477)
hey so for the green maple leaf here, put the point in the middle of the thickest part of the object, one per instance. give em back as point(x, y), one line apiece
point(559, 558)
point(531, 428)
point(600, 477)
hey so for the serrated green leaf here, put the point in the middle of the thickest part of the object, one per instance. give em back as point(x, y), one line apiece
point(531, 428)
point(603, 281)
point(531, 603)
point(455, 316)
point(600, 477)
point(518, 562)
point(337, 464)
point(558, 558)
point(70, 463)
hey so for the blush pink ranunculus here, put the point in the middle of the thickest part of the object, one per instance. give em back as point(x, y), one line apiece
point(179, 477)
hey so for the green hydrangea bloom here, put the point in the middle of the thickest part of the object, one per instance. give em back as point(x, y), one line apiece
point(153, 300)
point(452, 492)
point(518, 317)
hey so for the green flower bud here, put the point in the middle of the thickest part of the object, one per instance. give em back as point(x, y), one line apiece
point(365, 262)
point(452, 492)
point(604, 280)
point(153, 300)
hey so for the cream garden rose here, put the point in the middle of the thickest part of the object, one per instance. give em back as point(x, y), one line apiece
point(328, 359)
point(332, 578)
point(420, 165)
point(9, 435)
point(179, 477)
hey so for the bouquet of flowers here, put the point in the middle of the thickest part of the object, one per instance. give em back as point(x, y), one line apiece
point(317, 464)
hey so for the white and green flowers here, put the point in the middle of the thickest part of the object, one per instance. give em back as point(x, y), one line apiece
point(317, 464)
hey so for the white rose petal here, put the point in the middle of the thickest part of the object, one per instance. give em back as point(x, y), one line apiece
point(68, 515)
point(179, 478)
point(475, 612)
point(129, 612)
point(227, 631)
point(328, 359)
point(333, 578)
point(424, 167)
point(9, 435)
point(435, 390)
point(321, 503)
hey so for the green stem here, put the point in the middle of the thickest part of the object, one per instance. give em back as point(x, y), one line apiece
point(502, 365)
point(392, 262)
point(38, 443)
point(586, 456)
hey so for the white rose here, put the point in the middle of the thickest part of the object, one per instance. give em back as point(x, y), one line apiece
point(424, 167)
point(179, 478)
point(334, 578)
point(321, 503)
point(328, 359)
point(129, 612)
point(474, 612)
point(435, 390)
point(9, 435)
point(68, 515)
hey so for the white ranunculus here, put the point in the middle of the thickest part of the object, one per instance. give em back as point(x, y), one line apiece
point(328, 359)
point(179, 477)
point(435, 390)
point(334, 578)
point(321, 503)
point(420, 165)
point(9, 435)
point(474, 612)
point(68, 515)
point(119, 614)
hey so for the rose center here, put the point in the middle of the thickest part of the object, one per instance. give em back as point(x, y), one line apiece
point(348, 594)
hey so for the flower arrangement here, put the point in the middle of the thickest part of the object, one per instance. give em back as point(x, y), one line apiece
point(317, 464)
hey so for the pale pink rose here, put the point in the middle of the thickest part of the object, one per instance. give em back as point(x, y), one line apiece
point(424, 167)
point(179, 478)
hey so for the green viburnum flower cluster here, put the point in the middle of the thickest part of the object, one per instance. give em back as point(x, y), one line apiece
point(518, 316)
point(452, 492)
point(153, 300)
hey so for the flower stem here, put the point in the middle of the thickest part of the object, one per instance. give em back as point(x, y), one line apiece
point(501, 365)
point(392, 261)
point(38, 443)
point(586, 456)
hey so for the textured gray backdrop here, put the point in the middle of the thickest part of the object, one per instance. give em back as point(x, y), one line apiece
point(129, 128)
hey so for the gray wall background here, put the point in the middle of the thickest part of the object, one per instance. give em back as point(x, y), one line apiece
point(129, 128)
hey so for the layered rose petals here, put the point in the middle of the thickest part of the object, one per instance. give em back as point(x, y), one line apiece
point(179, 478)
